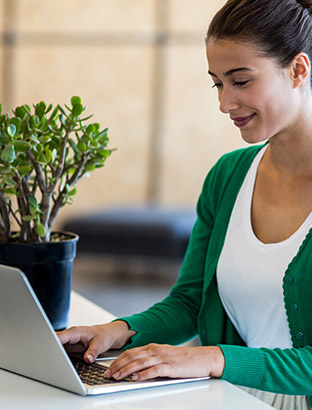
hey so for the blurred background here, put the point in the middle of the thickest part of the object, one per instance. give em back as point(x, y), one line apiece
point(140, 66)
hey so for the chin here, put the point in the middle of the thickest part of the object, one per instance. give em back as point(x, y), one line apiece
point(253, 138)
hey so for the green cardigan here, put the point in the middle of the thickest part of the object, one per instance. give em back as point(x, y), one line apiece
point(193, 306)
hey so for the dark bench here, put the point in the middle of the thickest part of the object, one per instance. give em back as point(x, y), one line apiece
point(134, 231)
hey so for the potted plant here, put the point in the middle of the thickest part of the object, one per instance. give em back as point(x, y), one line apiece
point(44, 152)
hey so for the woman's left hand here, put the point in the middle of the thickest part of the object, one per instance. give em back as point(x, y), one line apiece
point(156, 360)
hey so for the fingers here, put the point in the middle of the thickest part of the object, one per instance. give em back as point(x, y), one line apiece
point(155, 360)
point(75, 335)
point(161, 370)
point(83, 339)
point(93, 340)
point(141, 363)
point(96, 346)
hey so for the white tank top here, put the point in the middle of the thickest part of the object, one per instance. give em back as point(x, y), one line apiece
point(250, 274)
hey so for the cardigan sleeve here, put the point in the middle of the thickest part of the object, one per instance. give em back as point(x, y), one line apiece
point(174, 320)
point(285, 371)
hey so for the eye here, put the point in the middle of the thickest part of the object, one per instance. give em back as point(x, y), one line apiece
point(217, 85)
point(240, 83)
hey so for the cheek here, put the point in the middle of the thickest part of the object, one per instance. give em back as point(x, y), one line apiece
point(270, 102)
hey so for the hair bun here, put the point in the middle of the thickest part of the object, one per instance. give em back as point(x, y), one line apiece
point(307, 4)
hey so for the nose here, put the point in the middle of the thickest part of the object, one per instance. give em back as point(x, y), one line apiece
point(227, 100)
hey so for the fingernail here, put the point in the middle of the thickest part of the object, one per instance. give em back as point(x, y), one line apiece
point(116, 375)
point(107, 373)
point(134, 376)
point(90, 358)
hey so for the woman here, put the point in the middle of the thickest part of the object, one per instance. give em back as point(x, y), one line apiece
point(244, 286)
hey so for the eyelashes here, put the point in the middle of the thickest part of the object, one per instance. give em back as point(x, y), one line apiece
point(235, 83)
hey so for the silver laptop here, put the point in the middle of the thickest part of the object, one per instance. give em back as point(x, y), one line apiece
point(30, 347)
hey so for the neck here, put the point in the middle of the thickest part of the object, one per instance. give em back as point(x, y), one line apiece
point(291, 153)
point(291, 156)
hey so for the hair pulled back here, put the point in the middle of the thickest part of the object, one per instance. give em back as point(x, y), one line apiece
point(306, 4)
point(281, 28)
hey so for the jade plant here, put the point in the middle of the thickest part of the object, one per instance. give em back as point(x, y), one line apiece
point(44, 152)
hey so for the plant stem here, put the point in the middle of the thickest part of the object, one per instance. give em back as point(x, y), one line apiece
point(5, 218)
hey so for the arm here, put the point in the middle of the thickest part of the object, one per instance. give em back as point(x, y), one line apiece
point(174, 320)
point(287, 371)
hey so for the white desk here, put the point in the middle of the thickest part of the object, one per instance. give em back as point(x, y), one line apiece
point(20, 393)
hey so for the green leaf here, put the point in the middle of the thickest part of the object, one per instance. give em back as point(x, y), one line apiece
point(17, 122)
point(28, 218)
point(24, 168)
point(49, 108)
point(41, 229)
point(4, 139)
point(82, 146)
point(42, 104)
point(32, 201)
point(33, 210)
point(54, 113)
point(87, 118)
point(73, 192)
point(104, 153)
point(62, 119)
point(10, 191)
point(22, 146)
point(34, 138)
point(73, 145)
point(75, 100)
point(20, 112)
point(62, 109)
point(42, 158)
point(90, 166)
point(77, 110)
point(8, 154)
point(48, 154)
point(27, 108)
point(94, 144)
point(90, 128)
point(44, 139)
point(35, 120)
point(11, 130)
point(54, 153)
point(9, 181)
point(5, 170)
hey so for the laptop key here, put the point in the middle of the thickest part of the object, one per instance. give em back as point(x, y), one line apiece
point(93, 373)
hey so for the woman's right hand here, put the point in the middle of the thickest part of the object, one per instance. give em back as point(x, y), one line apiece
point(94, 340)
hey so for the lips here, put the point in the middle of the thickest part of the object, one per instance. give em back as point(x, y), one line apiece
point(242, 121)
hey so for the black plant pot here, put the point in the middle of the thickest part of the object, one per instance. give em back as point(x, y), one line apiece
point(48, 267)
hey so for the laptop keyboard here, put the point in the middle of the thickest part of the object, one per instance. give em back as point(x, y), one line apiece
point(93, 374)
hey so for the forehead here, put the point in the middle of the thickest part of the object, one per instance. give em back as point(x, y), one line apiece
point(224, 55)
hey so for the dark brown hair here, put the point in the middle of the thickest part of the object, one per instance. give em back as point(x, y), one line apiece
point(280, 28)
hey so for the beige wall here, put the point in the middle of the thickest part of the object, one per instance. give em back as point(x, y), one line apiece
point(140, 66)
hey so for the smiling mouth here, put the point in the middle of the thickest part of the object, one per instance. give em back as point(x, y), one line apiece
point(242, 121)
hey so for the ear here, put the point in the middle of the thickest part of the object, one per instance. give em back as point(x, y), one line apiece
point(300, 69)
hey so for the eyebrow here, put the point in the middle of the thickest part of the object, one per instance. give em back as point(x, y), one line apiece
point(230, 72)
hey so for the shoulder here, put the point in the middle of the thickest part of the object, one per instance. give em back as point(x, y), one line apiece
point(239, 159)
point(233, 164)
point(228, 174)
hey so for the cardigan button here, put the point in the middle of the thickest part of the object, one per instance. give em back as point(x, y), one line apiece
point(293, 307)
point(288, 279)
point(299, 336)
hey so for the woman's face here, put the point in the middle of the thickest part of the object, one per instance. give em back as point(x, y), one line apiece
point(255, 91)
